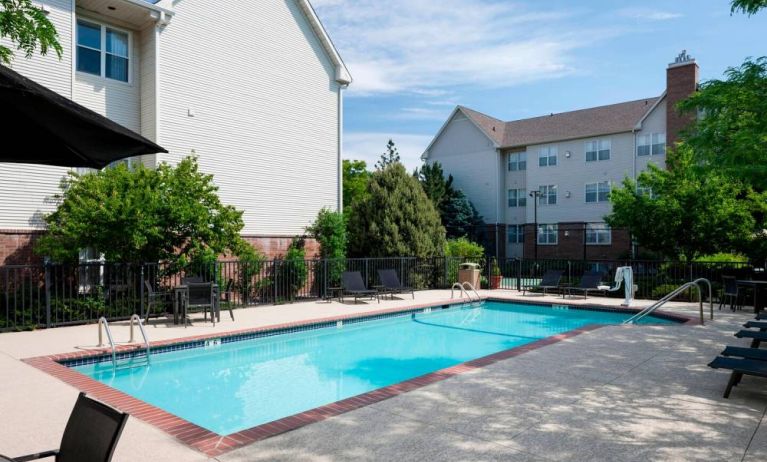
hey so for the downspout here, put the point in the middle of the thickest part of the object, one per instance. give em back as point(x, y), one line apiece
point(340, 148)
point(73, 51)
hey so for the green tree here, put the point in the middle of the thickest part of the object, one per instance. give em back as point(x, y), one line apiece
point(458, 215)
point(681, 212)
point(395, 218)
point(464, 249)
point(748, 6)
point(329, 229)
point(732, 136)
point(139, 215)
point(432, 179)
point(291, 271)
point(356, 177)
point(390, 156)
point(27, 27)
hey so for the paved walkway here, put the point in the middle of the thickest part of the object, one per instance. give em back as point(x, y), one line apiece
point(616, 393)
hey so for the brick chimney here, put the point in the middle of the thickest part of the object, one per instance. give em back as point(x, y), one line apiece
point(681, 82)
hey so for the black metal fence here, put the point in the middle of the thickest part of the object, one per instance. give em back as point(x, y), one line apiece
point(34, 296)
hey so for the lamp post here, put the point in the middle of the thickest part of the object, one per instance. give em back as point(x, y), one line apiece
point(535, 195)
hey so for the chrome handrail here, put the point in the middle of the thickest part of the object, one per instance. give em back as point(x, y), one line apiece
point(467, 283)
point(460, 287)
point(696, 283)
point(137, 319)
point(103, 323)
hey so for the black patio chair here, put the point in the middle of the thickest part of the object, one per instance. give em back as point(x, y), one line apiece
point(201, 295)
point(155, 298)
point(354, 285)
point(590, 282)
point(731, 292)
point(391, 284)
point(91, 434)
point(227, 296)
point(550, 280)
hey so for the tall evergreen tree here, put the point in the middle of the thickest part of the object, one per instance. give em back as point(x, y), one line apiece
point(395, 218)
point(390, 156)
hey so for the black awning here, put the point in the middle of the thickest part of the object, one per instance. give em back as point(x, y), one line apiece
point(42, 127)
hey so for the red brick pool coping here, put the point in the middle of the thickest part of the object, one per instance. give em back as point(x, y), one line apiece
point(213, 444)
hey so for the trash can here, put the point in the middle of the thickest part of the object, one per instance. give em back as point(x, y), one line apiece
point(469, 272)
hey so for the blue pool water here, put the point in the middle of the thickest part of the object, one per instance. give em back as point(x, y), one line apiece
point(229, 387)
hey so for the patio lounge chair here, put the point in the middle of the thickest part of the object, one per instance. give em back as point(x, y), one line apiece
point(747, 353)
point(590, 282)
point(391, 284)
point(354, 285)
point(550, 280)
point(91, 434)
point(756, 336)
point(739, 368)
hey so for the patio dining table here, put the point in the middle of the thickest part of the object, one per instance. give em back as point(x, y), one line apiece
point(757, 286)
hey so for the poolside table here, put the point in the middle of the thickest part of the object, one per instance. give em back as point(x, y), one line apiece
point(181, 302)
point(757, 287)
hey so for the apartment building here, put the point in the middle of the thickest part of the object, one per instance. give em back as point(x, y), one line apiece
point(542, 184)
point(254, 89)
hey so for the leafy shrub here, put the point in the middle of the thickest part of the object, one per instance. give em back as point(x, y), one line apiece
point(722, 257)
point(690, 294)
point(291, 271)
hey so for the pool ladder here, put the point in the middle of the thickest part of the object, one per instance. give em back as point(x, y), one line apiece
point(696, 283)
point(462, 287)
point(134, 320)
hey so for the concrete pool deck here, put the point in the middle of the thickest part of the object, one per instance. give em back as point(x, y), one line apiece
point(616, 393)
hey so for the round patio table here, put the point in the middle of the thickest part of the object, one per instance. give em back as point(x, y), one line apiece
point(757, 286)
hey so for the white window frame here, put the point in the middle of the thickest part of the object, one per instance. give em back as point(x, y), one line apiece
point(596, 230)
point(519, 200)
point(103, 51)
point(598, 147)
point(516, 159)
point(545, 231)
point(645, 191)
point(546, 193)
point(599, 190)
point(519, 234)
point(650, 141)
point(548, 153)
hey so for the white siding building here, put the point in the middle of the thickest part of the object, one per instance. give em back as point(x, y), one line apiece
point(252, 88)
point(571, 160)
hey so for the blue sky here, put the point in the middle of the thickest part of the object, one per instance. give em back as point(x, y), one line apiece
point(414, 60)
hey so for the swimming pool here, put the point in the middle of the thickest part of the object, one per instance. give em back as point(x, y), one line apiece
point(231, 384)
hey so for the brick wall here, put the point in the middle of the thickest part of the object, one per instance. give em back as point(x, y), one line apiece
point(681, 82)
point(571, 244)
point(274, 247)
point(17, 246)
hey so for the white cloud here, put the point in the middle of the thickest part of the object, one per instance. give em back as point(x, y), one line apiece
point(646, 14)
point(426, 47)
point(369, 146)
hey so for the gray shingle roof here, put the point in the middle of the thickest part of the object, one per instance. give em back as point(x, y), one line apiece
point(583, 123)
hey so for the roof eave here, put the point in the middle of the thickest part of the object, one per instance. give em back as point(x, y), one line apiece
point(425, 154)
point(559, 140)
point(342, 74)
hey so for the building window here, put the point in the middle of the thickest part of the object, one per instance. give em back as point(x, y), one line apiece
point(548, 234)
point(658, 144)
point(598, 192)
point(651, 144)
point(548, 195)
point(517, 161)
point(515, 233)
point(645, 191)
point(547, 157)
point(598, 234)
point(103, 51)
point(598, 150)
point(517, 197)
